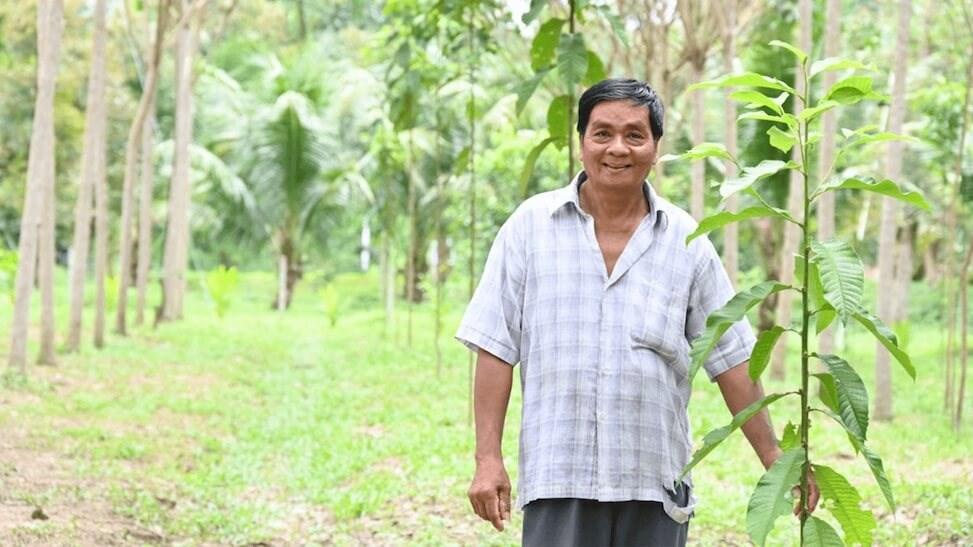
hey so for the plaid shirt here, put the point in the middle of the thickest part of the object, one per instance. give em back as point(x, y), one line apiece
point(604, 359)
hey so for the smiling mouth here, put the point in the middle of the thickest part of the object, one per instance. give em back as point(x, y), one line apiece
point(616, 167)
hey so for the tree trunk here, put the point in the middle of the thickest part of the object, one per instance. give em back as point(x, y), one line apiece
point(731, 239)
point(696, 202)
point(829, 126)
point(890, 215)
point(145, 217)
point(176, 254)
point(964, 307)
point(40, 175)
point(410, 272)
point(795, 205)
point(388, 280)
point(904, 267)
point(92, 173)
point(282, 282)
point(135, 139)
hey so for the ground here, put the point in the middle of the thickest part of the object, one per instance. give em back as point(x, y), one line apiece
point(263, 428)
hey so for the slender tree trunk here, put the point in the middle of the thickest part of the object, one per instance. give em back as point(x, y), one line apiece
point(410, 272)
point(890, 214)
point(665, 82)
point(282, 281)
point(964, 288)
point(145, 216)
point(829, 126)
point(135, 139)
point(175, 259)
point(731, 239)
point(45, 269)
point(696, 203)
point(40, 175)
point(92, 174)
point(903, 269)
point(471, 32)
point(795, 206)
point(388, 279)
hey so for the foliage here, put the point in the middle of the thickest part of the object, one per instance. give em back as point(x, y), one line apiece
point(222, 283)
point(830, 280)
point(8, 272)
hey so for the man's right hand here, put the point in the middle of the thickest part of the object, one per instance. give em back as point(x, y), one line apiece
point(490, 493)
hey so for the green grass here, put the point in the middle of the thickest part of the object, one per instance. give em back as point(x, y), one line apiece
point(265, 426)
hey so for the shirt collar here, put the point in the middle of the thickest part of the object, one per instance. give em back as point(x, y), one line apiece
point(570, 194)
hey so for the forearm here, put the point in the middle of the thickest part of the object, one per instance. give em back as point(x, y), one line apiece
point(739, 392)
point(491, 395)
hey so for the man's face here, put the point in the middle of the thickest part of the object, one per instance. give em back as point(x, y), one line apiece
point(617, 148)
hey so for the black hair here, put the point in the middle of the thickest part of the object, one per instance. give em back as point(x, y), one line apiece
point(619, 89)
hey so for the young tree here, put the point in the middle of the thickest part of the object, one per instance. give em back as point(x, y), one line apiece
point(92, 173)
point(40, 177)
point(890, 212)
point(135, 140)
point(176, 257)
point(778, 364)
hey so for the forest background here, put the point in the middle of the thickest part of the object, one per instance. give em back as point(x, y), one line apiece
point(254, 226)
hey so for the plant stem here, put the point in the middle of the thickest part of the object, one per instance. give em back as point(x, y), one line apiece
point(805, 419)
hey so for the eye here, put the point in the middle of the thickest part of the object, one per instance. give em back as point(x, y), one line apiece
point(601, 133)
point(635, 136)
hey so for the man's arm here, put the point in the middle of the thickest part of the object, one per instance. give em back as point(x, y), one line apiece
point(490, 491)
point(739, 392)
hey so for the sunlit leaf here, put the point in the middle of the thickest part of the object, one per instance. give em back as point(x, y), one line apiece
point(756, 99)
point(818, 533)
point(721, 219)
point(528, 170)
point(536, 6)
point(772, 496)
point(837, 63)
point(871, 457)
point(781, 140)
point(787, 119)
point(810, 114)
point(752, 174)
point(720, 320)
point(744, 79)
point(885, 187)
point(596, 70)
point(828, 394)
point(850, 90)
point(799, 53)
point(851, 393)
point(718, 435)
point(762, 350)
point(559, 121)
point(545, 44)
point(842, 275)
point(887, 338)
point(791, 438)
point(572, 58)
point(844, 502)
point(525, 89)
point(700, 151)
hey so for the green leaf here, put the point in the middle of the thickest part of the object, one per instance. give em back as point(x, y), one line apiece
point(572, 58)
point(545, 44)
point(791, 438)
point(809, 114)
point(720, 320)
point(885, 187)
point(872, 458)
point(762, 350)
point(618, 27)
point(528, 169)
point(744, 79)
point(558, 120)
point(700, 151)
point(851, 393)
point(787, 119)
point(752, 174)
point(525, 89)
point(850, 90)
point(536, 6)
point(828, 392)
point(887, 338)
point(884, 136)
point(815, 289)
point(836, 63)
point(845, 501)
point(596, 70)
point(721, 219)
point(756, 99)
point(824, 317)
point(781, 140)
point(818, 533)
point(772, 496)
point(718, 435)
point(801, 56)
point(842, 275)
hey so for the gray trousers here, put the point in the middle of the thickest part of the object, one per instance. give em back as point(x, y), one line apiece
point(572, 522)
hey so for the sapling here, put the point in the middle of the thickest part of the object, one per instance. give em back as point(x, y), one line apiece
point(829, 278)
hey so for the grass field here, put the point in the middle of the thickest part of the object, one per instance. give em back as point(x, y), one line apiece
point(270, 428)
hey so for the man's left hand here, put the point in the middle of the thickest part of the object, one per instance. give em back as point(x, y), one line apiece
point(813, 495)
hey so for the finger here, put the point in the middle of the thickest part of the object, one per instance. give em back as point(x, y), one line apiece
point(505, 504)
point(478, 508)
point(493, 512)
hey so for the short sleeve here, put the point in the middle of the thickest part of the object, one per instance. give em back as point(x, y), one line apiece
point(492, 321)
point(711, 290)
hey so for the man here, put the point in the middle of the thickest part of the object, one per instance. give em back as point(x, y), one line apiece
point(593, 290)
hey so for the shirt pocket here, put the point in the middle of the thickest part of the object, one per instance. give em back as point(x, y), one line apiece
point(657, 313)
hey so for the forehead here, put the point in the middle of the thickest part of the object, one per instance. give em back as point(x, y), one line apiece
point(619, 113)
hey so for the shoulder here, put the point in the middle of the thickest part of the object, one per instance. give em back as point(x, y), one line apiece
point(535, 210)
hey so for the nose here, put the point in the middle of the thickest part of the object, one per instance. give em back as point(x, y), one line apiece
point(616, 146)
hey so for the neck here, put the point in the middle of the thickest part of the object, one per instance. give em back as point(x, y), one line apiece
point(614, 203)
